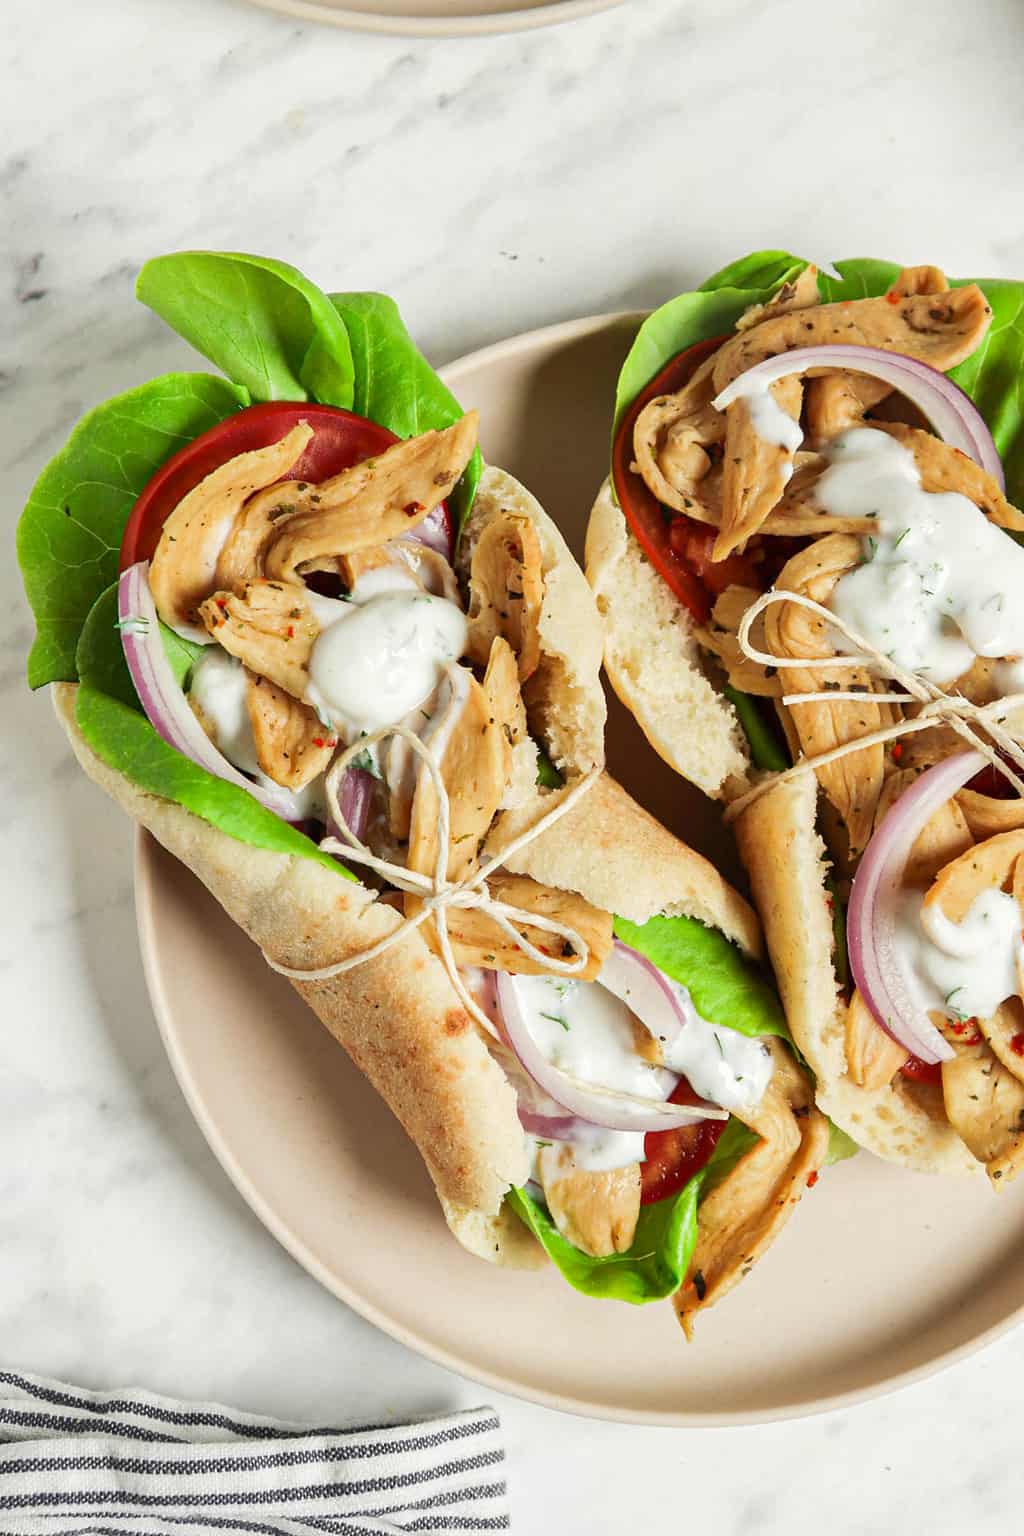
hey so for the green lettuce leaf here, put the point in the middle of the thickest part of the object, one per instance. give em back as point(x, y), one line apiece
point(762, 270)
point(100, 657)
point(111, 720)
point(840, 1145)
point(260, 321)
point(655, 1264)
point(396, 386)
point(70, 532)
point(864, 278)
point(726, 988)
point(767, 749)
point(679, 324)
point(548, 776)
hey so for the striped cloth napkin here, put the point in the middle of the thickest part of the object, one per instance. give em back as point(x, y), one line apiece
point(76, 1463)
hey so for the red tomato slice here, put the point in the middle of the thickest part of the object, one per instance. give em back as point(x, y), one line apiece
point(340, 440)
point(671, 1158)
point(678, 547)
point(922, 1071)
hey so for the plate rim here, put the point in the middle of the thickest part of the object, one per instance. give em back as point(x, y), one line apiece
point(516, 19)
point(277, 1226)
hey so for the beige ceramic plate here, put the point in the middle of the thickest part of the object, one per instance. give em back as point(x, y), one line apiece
point(438, 18)
point(882, 1275)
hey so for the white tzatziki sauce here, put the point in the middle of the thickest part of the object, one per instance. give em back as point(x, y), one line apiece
point(585, 1030)
point(218, 687)
point(966, 969)
point(940, 584)
point(771, 423)
point(721, 1065)
point(1008, 676)
point(382, 653)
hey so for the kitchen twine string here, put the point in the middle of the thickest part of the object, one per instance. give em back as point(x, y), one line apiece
point(440, 893)
point(938, 707)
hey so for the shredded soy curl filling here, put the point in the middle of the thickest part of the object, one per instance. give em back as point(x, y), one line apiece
point(963, 716)
point(438, 891)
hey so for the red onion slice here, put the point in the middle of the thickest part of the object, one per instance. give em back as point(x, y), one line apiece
point(550, 1127)
point(871, 920)
point(435, 531)
point(600, 1106)
point(354, 800)
point(644, 989)
point(949, 411)
point(163, 700)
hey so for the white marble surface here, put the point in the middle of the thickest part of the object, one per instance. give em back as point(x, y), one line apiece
point(491, 185)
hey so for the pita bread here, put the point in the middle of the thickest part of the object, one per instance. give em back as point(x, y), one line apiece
point(653, 661)
point(778, 832)
point(654, 664)
point(564, 698)
point(398, 1017)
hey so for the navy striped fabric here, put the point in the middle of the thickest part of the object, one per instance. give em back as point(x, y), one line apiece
point(75, 1463)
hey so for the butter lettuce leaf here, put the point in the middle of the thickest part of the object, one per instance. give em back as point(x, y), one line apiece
point(729, 990)
point(840, 1145)
point(655, 1264)
point(764, 271)
point(69, 535)
point(111, 720)
point(726, 988)
point(681, 323)
point(259, 321)
point(767, 747)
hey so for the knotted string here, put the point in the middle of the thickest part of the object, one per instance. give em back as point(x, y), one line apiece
point(438, 892)
point(937, 707)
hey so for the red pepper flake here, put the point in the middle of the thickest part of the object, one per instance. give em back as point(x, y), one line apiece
point(1017, 1045)
point(412, 507)
point(222, 602)
point(812, 1179)
point(318, 741)
point(897, 751)
point(892, 298)
point(291, 631)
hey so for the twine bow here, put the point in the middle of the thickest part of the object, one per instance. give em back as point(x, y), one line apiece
point(438, 892)
point(938, 707)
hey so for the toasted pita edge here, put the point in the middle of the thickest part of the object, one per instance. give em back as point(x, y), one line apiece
point(617, 856)
point(397, 1017)
point(785, 858)
point(653, 660)
point(566, 701)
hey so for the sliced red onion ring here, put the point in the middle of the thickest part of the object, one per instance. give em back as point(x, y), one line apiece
point(163, 699)
point(600, 1106)
point(435, 531)
point(871, 920)
point(951, 413)
point(354, 801)
point(644, 989)
point(550, 1127)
